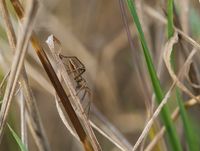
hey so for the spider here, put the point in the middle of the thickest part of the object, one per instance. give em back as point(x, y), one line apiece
point(75, 68)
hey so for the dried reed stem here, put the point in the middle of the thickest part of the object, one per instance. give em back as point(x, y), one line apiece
point(55, 81)
point(34, 123)
point(17, 64)
point(24, 136)
point(167, 47)
point(55, 48)
point(103, 124)
point(190, 103)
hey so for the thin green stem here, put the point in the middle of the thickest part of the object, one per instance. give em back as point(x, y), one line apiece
point(170, 22)
point(190, 135)
point(165, 114)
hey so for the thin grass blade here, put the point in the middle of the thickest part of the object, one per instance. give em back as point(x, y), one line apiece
point(165, 114)
point(18, 140)
point(189, 133)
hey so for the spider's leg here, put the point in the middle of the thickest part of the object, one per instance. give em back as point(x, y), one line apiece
point(88, 104)
point(68, 57)
point(86, 91)
point(80, 88)
point(72, 57)
point(79, 72)
point(79, 67)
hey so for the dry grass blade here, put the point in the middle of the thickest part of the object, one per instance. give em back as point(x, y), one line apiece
point(168, 46)
point(17, 63)
point(156, 15)
point(108, 130)
point(175, 114)
point(151, 120)
point(194, 85)
point(153, 13)
point(4, 80)
point(115, 137)
point(33, 117)
point(191, 102)
point(34, 123)
point(145, 131)
point(24, 136)
point(61, 114)
point(55, 48)
point(64, 120)
point(9, 28)
point(55, 81)
point(103, 126)
point(167, 54)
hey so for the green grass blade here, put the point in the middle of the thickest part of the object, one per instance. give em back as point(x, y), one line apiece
point(165, 114)
point(170, 15)
point(191, 138)
point(18, 140)
point(153, 76)
point(2, 33)
point(189, 133)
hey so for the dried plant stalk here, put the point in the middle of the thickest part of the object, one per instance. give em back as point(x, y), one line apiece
point(167, 55)
point(103, 126)
point(17, 64)
point(34, 123)
point(153, 13)
point(9, 28)
point(190, 103)
point(23, 124)
point(55, 48)
point(168, 47)
point(55, 81)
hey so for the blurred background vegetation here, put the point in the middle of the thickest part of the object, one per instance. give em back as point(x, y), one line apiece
point(117, 75)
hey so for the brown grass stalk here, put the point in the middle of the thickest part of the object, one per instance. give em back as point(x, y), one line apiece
point(55, 81)
point(190, 103)
point(34, 123)
point(175, 114)
point(17, 65)
point(55, 47)
point(103, 126)
point(168, 46)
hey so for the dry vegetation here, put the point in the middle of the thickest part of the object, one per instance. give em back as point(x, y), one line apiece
point(123, 110)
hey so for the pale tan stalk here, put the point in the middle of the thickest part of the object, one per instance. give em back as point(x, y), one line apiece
point(17, 65)
point(36, 124)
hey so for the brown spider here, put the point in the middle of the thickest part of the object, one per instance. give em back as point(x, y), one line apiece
point(75, 68)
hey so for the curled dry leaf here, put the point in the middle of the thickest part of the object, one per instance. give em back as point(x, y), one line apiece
point(167, 58)
point(175, 114)
point(197, 86)
point(61, 113)
point(168, 46)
